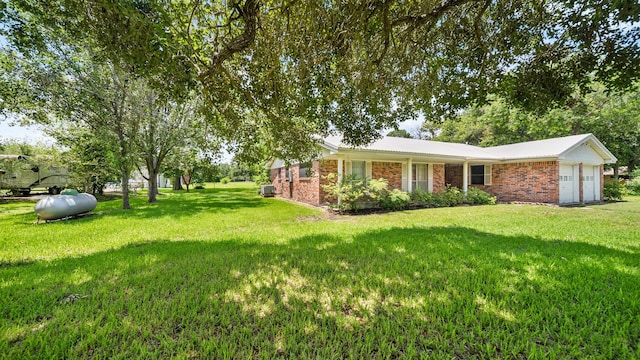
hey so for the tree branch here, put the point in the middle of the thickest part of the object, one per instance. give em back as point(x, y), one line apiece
point(387, 33)
point(434, 14)
point(478, 35)
point(249, 13)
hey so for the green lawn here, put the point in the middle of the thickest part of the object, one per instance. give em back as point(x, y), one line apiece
point(224, 273)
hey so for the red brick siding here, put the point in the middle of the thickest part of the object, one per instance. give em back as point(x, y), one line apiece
point(326, 167)
point(580, 174)
point(391, 171)
point(439, 182)
point(601, 182)
point(279, 182)
point(300, 189)
point(529, 181)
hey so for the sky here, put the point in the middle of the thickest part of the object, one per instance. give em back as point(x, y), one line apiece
point(34, 135)
point(31, 135)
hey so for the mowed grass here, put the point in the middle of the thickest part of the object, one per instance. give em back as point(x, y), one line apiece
point(223, 273)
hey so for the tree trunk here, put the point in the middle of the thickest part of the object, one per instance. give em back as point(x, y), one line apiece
point(616, 172)
point(187, 180)
point(177, 182)
point(125, 187)
point(152, 171)
point(153, 186)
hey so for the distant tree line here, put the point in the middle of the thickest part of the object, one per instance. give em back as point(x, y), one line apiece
point(613, 119)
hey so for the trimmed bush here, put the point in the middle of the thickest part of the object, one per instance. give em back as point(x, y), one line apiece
point(353, 192)
point(394, 200)
point(452, 196)
point(423, 198)
point(356, 194)
point(476, 196)
point(613, 190)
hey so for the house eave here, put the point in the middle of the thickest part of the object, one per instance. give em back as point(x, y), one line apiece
point(401, 155)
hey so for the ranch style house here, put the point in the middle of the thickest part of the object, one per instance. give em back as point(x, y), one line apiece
point(565, 170)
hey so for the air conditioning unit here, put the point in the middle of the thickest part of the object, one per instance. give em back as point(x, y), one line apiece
point(267, 190)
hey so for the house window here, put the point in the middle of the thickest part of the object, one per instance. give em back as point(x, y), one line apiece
point(305, 169)
point(480, 174)
point(359, 169)
point(419, 176)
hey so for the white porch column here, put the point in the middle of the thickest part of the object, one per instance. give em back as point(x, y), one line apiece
point(340, 163)
point(465, 177)
point(409, 175)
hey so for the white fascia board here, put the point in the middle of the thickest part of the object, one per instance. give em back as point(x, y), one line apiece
point(331, 148)
point(389, 155)
point(529, 159)
point(608, 157)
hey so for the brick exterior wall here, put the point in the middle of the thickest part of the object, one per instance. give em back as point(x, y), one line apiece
point(326, 167)
point(305, 189)
point(439, 182)
point(310, 189)
point(391, 171)
point(580, 177)
point(527, 181)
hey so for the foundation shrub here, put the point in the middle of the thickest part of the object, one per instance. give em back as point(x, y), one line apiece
point(476, 196)
point(394, 200)
point(421, 197)
point(353, 192)
point(451, 196)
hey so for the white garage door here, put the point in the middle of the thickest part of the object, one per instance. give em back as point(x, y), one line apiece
point(568, 185)
point(591, 183)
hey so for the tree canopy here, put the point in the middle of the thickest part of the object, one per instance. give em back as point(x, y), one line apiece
point(284, 71)
point(615, 120)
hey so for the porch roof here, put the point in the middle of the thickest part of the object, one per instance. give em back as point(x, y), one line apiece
point(413, 147)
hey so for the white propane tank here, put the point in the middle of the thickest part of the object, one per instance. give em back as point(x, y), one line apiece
point(61, 206)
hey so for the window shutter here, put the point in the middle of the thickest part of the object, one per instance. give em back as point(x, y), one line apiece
point(369, 176)
point(348, 167)
point(487, 174)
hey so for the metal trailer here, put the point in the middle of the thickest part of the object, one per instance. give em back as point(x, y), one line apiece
point(21, 173)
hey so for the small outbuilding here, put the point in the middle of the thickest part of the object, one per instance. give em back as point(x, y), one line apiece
point(566, 170)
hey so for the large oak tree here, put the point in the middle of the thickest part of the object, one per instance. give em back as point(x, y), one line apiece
point(303, 68)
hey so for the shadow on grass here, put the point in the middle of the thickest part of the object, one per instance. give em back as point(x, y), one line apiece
point(443, 292)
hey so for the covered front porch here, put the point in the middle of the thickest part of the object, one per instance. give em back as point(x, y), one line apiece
point(412, 173)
